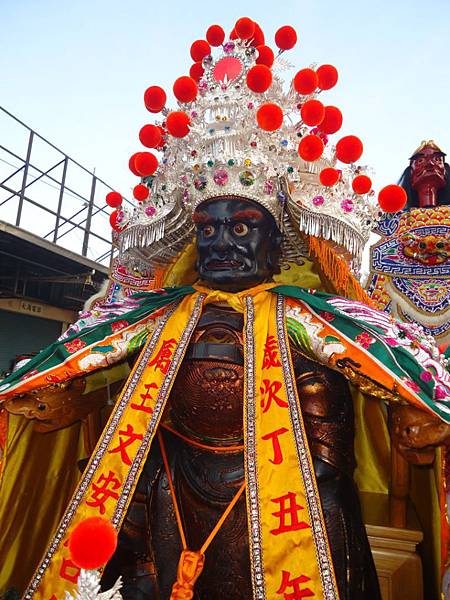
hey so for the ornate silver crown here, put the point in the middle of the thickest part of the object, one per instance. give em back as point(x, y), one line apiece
point(231, 148)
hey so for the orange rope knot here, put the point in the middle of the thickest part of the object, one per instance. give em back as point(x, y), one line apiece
point(189, 570)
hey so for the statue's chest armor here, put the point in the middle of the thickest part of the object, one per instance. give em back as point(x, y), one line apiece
point(207, 397)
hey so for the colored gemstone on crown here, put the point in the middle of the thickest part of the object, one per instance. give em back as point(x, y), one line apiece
point(247, 178)
point(220, 177)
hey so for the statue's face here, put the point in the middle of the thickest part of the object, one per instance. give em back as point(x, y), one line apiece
point(238, 244)
point(428, 168)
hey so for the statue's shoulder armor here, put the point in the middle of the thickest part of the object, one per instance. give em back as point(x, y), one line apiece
point(327, 408)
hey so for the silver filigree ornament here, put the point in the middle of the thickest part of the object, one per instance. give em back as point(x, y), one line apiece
point(226, 153)
point(89, 588)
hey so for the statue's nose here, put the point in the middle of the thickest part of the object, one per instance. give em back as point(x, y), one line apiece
point(223, 240)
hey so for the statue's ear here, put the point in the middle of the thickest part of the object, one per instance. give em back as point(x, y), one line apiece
point(276, 237)
point(274, 256)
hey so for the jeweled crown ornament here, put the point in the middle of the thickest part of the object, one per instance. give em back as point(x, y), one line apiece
point(238, 132)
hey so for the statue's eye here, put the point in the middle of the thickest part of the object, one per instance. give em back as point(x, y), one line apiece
point(422, 245)
point(439, 245)
point(208, 231)
point(240, 229)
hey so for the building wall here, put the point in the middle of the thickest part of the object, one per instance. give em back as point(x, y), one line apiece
point(24, 334)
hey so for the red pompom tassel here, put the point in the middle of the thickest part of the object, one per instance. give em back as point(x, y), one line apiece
point(177, 123)
point(349, 149)
point(113, 199)
point(215, 35)
point(245, 28)
point(196, 71)
point(131, 164)
point(361, 184)
point(392, 198)
point(259, 78)
point(269, 117)
point(155, 99)
point(332, 121)
point(145, 164)
point(310, 148)
point(305, 82)
point(265, 56)
point(328, 77)
point(200, 49)
point(185, 89)
point(115, 220)
point(312, 112)
point(286, 37)
point(141, 192)
point(150, 136)
point(329, 176)
point(92, 542)
point(258, 36)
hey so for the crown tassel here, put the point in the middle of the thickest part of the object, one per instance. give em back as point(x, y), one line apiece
point(337, 271)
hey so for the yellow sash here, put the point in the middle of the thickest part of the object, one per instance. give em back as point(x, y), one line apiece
point(289, 551)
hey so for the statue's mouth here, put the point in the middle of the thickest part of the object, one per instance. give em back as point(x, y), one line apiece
point(223, 265)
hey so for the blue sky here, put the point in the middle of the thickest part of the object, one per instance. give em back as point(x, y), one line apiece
point(76, 71)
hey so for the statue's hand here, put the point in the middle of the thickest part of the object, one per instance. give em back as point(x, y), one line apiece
point(417, 433)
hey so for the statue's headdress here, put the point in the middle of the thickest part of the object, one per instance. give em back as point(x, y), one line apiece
point(426, 144)
point(240, 131)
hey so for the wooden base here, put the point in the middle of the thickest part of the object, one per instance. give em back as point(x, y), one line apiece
point(398, 565)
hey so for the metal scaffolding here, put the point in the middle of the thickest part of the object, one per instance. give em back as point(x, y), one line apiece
point(44, 191)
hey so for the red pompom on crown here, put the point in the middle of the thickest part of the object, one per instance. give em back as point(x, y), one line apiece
point(265, 56)
point(177, 123)
point(329, 176)
point(328, 76)
point(141, 192)
point(312, 112)
point(115, 219)
point(245, 28)
point(200, 49)
point(286, 37)
point(305, 81)
point(150, 136)
point(392, 198)
point(145, 164)
point(269, 117)
point(349, 149)
point(361, 184)
point(131, 164)
point(310, 148)
point(332, 120)
point(196, 71)
point(258, 38)
point(185, 89)
point(215, 35)
point(92, 543)
point(259, 78)
point(113, 199)
point(155, 99)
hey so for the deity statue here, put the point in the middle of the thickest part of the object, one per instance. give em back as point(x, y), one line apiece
point(427, 178)
point(410, 279)
point(238, 248)
point(227, 461)
point(410, 264)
